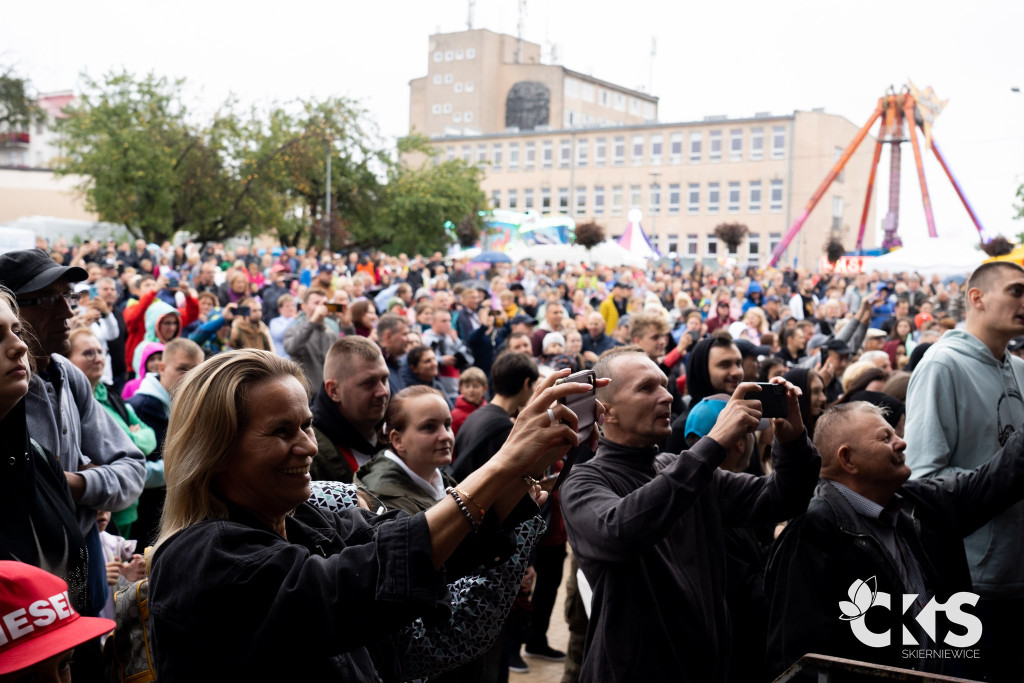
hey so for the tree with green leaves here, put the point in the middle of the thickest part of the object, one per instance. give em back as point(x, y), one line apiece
point(422, 205)
point(150, 166)
point(17, 106)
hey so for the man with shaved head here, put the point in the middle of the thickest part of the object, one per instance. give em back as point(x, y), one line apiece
point(651, 545)
point(867, 520)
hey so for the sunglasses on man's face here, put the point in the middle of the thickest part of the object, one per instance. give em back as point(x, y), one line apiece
point(50, 301)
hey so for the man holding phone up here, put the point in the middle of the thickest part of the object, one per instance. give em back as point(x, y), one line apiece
point(311, 337)
point(651, 545)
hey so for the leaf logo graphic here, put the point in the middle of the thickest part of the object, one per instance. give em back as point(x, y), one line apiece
point(862, 597)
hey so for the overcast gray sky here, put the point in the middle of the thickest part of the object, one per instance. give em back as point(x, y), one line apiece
point(730, 58)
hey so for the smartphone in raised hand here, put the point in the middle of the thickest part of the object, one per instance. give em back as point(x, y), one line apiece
point(585, 407)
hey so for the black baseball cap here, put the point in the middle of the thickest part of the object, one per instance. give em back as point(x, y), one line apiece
point(839, 346)
point(29, 270)
point(748, 348)
point(522, 318)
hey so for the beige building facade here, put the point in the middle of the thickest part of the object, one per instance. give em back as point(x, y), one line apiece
point(683, 178)
point(40, 192)
point(484, 82)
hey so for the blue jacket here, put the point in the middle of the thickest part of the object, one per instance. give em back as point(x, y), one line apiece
point(754, 288)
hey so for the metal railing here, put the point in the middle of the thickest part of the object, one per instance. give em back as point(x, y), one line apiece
point(838, 670)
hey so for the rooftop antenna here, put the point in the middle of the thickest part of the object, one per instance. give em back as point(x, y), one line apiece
point(519, 31)
point(471, 7)
point(654, 52)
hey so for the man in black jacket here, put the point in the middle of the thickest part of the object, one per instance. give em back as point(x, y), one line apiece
point(651, 545)
point(869, 528)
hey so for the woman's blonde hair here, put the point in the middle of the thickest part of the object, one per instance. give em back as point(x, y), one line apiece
point(762, 325)
point(209, 411)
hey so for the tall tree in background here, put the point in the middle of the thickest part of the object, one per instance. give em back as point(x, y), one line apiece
point(422, 205)
point(359, 162)
point(150, 165)
point(17, 106)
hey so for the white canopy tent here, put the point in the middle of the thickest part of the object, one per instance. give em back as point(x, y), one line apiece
point(607, 253)
point(937, 256)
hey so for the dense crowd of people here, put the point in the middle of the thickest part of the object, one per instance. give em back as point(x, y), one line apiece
point(369, 443)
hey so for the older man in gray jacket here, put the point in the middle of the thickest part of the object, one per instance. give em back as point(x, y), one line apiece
point(104, 469)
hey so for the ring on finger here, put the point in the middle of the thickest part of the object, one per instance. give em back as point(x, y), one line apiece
point(551, 416)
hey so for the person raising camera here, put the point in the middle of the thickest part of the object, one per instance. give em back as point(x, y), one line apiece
point(651, 545)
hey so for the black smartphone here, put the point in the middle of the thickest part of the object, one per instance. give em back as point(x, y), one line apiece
point(584, 405)
point(772, 398)
point(243, 311)
point(335, 308)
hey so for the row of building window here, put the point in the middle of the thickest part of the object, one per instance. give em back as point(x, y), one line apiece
point(546, 201)
point(455, 55)
point(650, 148)
point(457, 117)
point(588, 92)
point(692, 248)
point(457, 86)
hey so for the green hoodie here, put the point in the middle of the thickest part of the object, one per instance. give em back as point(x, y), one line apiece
point(144, 439)
point(962, 406)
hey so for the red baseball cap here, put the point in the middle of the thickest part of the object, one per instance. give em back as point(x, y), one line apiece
point(37, 620)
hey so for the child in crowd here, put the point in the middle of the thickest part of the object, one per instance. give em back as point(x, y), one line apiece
point(152, 403)
point(122, 560)
point(152, 354)
point(553, 356)
point(472, 390)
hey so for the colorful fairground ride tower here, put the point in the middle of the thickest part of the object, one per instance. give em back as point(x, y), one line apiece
point(901, 115)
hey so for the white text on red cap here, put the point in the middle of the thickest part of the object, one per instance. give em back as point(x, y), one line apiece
point(43, 612)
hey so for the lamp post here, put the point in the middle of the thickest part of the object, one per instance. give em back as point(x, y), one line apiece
point(327, 202)
point(655, 208)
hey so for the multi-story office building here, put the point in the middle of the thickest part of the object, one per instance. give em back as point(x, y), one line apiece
point(555, 141)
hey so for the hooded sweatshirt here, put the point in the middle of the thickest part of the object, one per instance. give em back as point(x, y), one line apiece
point(152, 404)
point(148, 349)
point(962, 406)
point(137, 323)
point(754, 288)
point(156, 311)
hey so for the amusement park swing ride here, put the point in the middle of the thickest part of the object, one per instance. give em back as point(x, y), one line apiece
point(901, 114)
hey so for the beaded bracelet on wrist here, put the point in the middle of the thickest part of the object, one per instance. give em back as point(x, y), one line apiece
point(465, 511)
point(472, 501)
